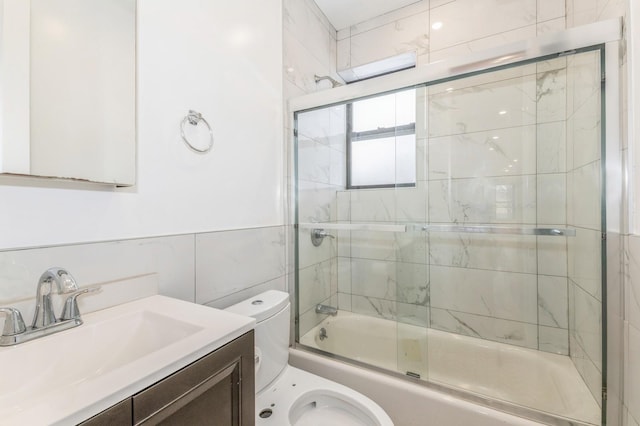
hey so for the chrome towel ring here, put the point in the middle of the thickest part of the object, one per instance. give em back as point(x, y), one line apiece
point(194, 118)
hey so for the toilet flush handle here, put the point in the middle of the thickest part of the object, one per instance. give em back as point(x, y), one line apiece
point(257, 358)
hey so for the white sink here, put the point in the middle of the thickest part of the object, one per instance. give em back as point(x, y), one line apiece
point(69, 376)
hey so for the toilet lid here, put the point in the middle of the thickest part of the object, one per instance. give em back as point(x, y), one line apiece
point(262, 306)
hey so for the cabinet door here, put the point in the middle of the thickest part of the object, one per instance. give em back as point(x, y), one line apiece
point(215, 390)
point(119, 414)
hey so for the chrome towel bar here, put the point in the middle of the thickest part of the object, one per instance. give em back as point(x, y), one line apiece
point(417, 227)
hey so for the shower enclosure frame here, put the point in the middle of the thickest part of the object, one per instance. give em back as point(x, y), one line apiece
point(604, 36)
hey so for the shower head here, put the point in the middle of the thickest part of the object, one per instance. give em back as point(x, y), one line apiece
point(334, 83)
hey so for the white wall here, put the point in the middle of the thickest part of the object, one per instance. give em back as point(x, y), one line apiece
point(209, 56)
point(212, 224)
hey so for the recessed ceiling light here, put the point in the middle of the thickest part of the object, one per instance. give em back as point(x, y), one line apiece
point(503, 112)
point(495, 138)
point(437, 25)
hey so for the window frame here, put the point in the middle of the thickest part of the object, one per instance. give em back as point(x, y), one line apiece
point(382, 132)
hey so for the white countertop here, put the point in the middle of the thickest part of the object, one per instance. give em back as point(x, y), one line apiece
point(70, 376)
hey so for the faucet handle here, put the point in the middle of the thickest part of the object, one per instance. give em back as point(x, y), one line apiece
point(71, 310)
point(318, 235)
point(13, 323)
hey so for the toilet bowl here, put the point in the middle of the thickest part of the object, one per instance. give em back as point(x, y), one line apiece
point(286, 395)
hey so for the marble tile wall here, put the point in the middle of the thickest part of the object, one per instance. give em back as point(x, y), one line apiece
point(631, 387)
point(623, 407)
point(409, 28)
point(321, 167)
point(309, 50)
point(623, 404)
point(583, 214)
point(233, 265)
point(406, 30)
point(216, 268)
point(436, 30)
point(496, 165)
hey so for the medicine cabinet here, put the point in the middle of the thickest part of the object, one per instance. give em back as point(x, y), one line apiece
point(68, 89)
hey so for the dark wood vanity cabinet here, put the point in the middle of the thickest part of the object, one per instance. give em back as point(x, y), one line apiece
point(217, 390)
point(119, 414)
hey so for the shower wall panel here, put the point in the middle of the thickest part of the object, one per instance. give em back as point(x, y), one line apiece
point(584, 214)
point(370, 271)
point(437, 30)
point(321, 151)
point(380, 273)
point(493, 175)
point(309, 47)
point(490, 151)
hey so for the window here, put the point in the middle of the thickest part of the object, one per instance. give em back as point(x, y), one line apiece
point(382, 141)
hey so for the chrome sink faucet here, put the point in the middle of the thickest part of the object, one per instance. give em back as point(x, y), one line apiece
point(65, 283)
point(44, 318)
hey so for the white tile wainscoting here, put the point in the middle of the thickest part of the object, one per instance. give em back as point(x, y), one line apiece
point(213, 268)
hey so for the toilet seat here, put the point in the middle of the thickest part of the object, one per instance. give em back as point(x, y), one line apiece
point(287, 396)
point(299, 398)
point(322, 407)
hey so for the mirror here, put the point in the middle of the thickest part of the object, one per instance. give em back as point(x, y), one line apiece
point(68, 89)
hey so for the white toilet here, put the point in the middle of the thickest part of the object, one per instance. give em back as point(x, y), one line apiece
point(286, 395)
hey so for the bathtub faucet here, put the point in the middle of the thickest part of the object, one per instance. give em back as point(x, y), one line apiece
point(323, 334)
point(326, 310)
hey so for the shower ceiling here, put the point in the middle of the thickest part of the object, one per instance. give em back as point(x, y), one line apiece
point(344, 13)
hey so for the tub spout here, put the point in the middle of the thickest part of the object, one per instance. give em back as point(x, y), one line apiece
point(326, 310)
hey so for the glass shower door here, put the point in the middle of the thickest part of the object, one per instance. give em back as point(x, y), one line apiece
point(359, 183)
point(412, 256)
point(514, 187)
point(451, 233)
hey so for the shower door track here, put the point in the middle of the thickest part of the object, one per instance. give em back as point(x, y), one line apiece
point(504, 406)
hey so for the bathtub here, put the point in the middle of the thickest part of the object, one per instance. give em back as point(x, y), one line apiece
point(514, 376)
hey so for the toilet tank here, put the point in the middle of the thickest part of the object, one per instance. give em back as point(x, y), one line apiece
point(271, 311)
